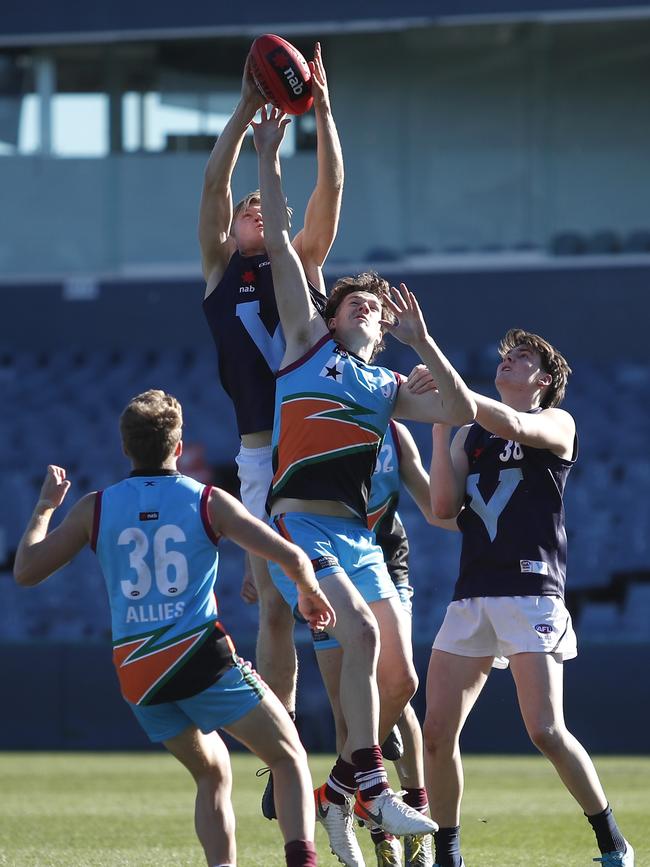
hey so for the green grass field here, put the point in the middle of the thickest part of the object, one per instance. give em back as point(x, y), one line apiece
point(135, 810)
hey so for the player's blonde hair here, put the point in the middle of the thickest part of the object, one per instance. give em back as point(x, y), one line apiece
point(553, 362)
point(151, 427)
point(254, 198)
point(369, 282)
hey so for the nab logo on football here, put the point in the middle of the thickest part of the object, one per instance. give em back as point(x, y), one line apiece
point(543, 628)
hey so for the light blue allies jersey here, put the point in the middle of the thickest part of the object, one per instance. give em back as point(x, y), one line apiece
point(331, 413)
point(157, 550)
point(383, 518)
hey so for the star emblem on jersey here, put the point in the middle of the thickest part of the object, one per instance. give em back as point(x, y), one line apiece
point(333, 370)
point(248, 277)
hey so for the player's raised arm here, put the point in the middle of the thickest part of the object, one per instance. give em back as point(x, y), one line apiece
point(451, 401)
point(229, 518)
point(552, 428)
point(41, 553)
point(313, 243)
point(215, 215)
point(449, 468)
point(301, 323)
point(416, 478)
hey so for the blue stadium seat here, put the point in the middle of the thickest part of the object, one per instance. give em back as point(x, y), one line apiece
point(568, 244)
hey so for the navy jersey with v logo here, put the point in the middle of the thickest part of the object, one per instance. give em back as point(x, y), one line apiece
point(243, 317)
point(514, 538)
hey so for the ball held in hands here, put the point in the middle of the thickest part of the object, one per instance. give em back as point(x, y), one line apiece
point(281, 74)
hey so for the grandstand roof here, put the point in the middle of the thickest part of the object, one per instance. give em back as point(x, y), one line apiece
point(44, 22)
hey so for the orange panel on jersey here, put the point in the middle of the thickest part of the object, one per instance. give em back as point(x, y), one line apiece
point(138, 676)
point(313, 427)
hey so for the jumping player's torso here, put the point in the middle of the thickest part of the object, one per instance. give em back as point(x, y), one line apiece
point(383, 518)
point(243, 317)
point(157, 551)
point(331, 413)
point(514, 537)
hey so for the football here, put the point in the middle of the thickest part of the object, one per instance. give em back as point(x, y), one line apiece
point(281, 74)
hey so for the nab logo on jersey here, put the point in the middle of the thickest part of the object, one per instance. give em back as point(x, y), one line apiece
point(247, 279)
point(148, 516)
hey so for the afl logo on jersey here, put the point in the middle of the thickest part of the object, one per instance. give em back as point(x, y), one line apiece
point(543, 628)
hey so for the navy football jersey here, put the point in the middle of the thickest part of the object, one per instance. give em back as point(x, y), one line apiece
point(245, 325)
point(514, 539)
point(383, 518)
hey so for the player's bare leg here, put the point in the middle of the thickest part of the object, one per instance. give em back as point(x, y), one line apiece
point(275, 652)
point(206, 758)
point(539, 681)
point(329, 664)
point(396, 676)
point(453, 685)
point(410, 768)
point(356, 631)
point(269, 733)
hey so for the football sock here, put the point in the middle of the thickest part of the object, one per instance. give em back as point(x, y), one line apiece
point(447, 843)
point(369, 772)
point(416, 798)
point(300, 853)
point(608, 837)
point(340, 784)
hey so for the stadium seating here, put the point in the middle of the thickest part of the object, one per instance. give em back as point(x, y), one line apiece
point(60, 414)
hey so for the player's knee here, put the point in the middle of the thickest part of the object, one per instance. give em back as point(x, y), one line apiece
point(548, 738)
point(216, 777)
point(290, 751)
point(399, 684)
point(437, 735)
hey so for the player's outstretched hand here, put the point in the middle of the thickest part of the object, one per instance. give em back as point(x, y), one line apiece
point(410, 327)
point(268, 132)
point(249, 90)
point(55, 486)
point(420, 381)
point(319, 89)
point(316, 610)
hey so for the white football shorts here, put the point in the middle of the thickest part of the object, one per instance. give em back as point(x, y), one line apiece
point(501, 626)
point(255, 471)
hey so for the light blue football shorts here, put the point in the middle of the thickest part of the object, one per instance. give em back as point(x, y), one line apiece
point(236, 693)
point(333, 545)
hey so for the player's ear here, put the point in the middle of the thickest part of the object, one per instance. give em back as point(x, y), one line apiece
point(178, 451)
point(545, 379)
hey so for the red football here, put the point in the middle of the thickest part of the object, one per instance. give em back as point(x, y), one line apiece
point(281, 74)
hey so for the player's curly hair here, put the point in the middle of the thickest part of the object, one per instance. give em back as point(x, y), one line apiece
point(370, 282)
point(254, 198)
point(553, 362)
point(151, 427)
